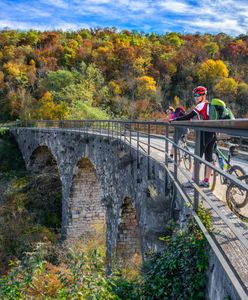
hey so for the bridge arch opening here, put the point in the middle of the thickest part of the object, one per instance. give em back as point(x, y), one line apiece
point(45, 177)
point(87, 209)
point(42, 161)
point(128, 247)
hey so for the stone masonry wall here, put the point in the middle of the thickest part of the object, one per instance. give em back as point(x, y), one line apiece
point(128, 247)
point(112, 173)
point(88, 212)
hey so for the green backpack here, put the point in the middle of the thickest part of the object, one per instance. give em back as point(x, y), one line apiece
point(219, 111)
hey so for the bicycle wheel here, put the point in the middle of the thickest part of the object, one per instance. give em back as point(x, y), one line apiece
point(187, 159)
point(214, 174)
point(237, 196)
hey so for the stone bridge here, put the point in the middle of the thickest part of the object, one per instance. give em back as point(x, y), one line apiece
point(102, 184)
point(107, 182)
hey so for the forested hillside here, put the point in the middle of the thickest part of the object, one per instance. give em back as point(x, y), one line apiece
point(103, 73)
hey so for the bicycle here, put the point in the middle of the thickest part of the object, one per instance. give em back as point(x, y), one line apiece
point(183, 156)
point(223, 161)
point(236, 198)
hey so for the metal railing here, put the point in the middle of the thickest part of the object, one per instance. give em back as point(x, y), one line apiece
point(140, 137)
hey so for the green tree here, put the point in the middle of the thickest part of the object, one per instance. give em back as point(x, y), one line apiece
point(56, 81)
point(242, 100)
point(212, 49)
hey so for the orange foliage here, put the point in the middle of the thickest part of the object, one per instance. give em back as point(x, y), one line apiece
point(48, 282)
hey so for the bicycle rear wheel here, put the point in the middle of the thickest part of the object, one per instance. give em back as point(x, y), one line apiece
point(187, 159)
point(237, 198)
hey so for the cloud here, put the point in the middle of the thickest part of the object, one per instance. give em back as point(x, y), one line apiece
point(57, 3)
point(175, 6)
point(214, 26)
point(159, 16)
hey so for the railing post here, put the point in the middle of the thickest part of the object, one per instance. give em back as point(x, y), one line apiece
point(108, 128)
point(130, 139)
point(197, 167)
point(138, 145)
point(175, 138)
point(166, 144)
point(149, 149)
point(125, 133)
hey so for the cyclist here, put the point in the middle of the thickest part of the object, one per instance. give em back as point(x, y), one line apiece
point(170, 112)
point(208, 139)
point(178, 112)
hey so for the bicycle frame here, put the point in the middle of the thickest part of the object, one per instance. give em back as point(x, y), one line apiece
point(226, 158)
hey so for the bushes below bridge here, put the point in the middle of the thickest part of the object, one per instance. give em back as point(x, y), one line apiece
point(78, 272)
point(30, 205)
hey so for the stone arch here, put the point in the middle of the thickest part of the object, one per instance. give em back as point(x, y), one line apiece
point(128, 246)
point(42, 161)
point(88, 215)
point(45, 176)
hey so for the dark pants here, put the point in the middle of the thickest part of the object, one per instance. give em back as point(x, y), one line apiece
point(208, 140)
point(180, 132)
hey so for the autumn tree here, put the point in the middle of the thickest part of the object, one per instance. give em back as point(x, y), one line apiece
point(48, 110)
point(145, 87)
point(212, 71)
point(226, 89)
point(242, 100)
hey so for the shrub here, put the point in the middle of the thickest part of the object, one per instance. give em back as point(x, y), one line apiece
point(180, 271)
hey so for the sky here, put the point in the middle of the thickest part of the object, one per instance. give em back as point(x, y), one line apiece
point(159, 16)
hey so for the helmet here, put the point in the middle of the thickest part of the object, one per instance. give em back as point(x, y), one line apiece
point(201, 90)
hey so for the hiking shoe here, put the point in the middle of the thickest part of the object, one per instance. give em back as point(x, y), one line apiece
point(204, 184)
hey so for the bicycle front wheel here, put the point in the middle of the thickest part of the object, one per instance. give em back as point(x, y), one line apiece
point(237, 199)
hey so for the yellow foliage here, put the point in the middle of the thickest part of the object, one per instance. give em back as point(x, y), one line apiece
point(122, 42)
point(146, 85)
point(1, 78)
point(9, 52)
point(12, 69)
point(72, 44)
point(48, 110)
point(32, 63)
point(47, 283)
point(14, 103)
point(141, 65)
point(211, 71)
point(227, 86)
point(171, 68)
point(176, 101)
point(114, 88)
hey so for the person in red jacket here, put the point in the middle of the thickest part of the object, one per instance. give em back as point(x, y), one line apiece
point(178, 112)
point(208, 139)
